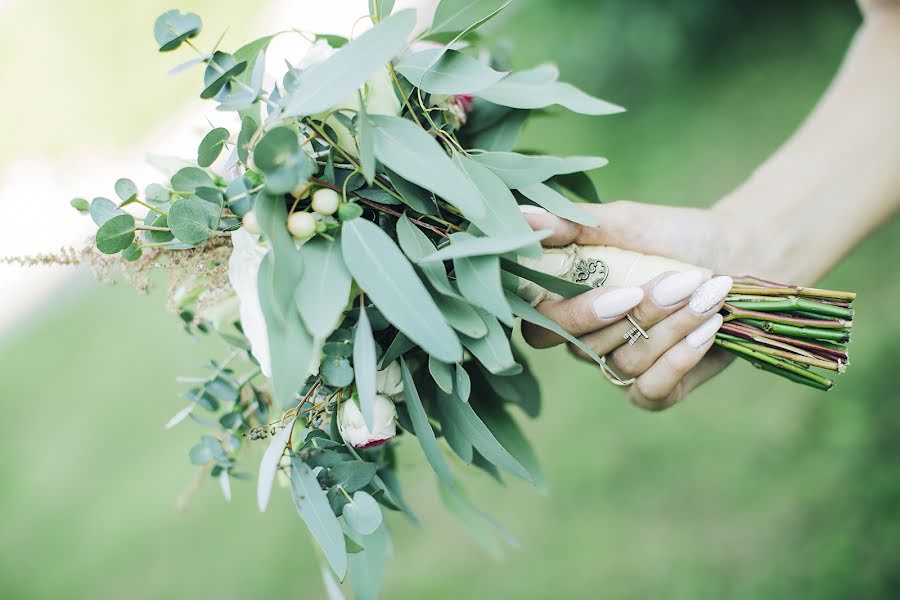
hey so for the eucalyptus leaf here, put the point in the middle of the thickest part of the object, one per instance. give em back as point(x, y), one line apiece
point(417, 198)
point(510, 436)
point(440, 71)
point(172, 27)
point(192, 219)
point(520, 170)
point(482, 439)
point(459, 15)
point(366, 144)
point(469, 246)
point(324, 287)
point(249, 126)
point(478, 279)
point(478, 524)
point(104, 209)
point(364, 369)
point(367, 567)
point(523, 90)
point(406, 149)
point(463, 384)
point(492, 350)
point(422, 427)
point(314, 509)
point(116, 234)
point(452, 430)
point(211, 146)
point(545, 196)
point(502, 216)
point(352, 475)
point(387, 277)
point(442, 374)
point(380, 8)
point(126, 190)
point(363, 514)
point(322, 86)
point(461, 315)
point(280, 158)
point(268, 466)
point(551, 283)
point(221, 67)
point(188, 179)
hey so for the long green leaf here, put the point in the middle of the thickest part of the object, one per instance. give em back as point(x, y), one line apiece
point(364, 368)
point(366, 143)
point(532, 89)
point(459, 15)
point(416, 245)
point(440, 71)
point(313, 507)
point(442, 374)
point(478, 524)
point(366, 568)
point(422, 428)
point(324, 286)
point(482, 438)
point(519, 170)
point(461, 315)
point(559, 205)
point(551, 283)
point(493, 350)
point(387, 277)
point(323, 85)
point(469, 245)
point(268, 466)
point(271, 212)
point(294, 352)
point(405, 148)
point(503, 216)
point(479, 281)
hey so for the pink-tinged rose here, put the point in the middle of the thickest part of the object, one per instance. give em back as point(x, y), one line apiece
point(353, 425)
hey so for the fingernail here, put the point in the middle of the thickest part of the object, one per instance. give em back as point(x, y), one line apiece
point(530, 209)
point(676, 287)
point(698, 337)
point(710, 293)
point(617, 302)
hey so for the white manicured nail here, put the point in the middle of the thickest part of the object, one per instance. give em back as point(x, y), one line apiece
point(676, 287)
point(530, 209)
point(710, 293)
point(617, 302)
point(698, 337)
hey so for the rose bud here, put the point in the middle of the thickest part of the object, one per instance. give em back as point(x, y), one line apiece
point(353, 425)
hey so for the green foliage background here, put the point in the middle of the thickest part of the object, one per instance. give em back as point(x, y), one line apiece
point(752, 488)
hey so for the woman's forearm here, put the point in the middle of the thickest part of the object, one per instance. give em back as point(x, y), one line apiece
point(838, 177)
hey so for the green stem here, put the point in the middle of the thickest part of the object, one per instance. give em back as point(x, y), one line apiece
point(794, 303)
point(778, 366)
point(815, 333)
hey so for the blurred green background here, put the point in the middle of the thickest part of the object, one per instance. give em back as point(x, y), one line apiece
point(752, 488)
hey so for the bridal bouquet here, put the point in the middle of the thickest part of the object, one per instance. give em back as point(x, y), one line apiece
point(356, 240)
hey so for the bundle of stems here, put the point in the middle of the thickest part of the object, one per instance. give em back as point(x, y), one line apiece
point(788, 330)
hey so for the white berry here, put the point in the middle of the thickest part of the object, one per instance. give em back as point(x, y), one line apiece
point(250, 223)
point(302, 225)
point(325, 201)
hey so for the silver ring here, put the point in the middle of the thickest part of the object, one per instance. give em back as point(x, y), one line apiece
point(635, 333)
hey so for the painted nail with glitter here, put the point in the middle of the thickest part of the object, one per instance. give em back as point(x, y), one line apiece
point(710, 293)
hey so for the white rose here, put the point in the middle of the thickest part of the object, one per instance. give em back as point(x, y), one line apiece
point(353, 425)
point(389, 381)
point(243, 274)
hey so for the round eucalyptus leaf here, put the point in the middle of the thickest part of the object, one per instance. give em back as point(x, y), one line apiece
point(220, 68)
point(248, 128)
point(240, 200)
point(125, 189)
point(349, 210)
point(189, 179)
point(192, 219)
point(211, 146)
point(80, 204)
point(211, 195)
point(133, 252)
point(172, 27)
point(104, 209)
point(157, 194)
point(200, 454)
point(336, 371)
point(116, 234)
point(279, 156)
point(363, 515)
point(157, 220)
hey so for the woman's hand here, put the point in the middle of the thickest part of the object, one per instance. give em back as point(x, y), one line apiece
point(679, 311)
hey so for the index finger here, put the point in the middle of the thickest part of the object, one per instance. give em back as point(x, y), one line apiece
point(564, 232)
